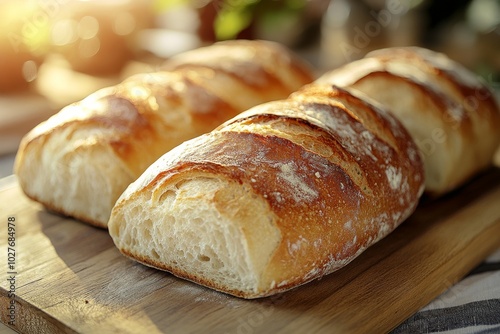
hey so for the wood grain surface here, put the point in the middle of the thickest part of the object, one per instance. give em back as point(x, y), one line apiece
point(70, 277)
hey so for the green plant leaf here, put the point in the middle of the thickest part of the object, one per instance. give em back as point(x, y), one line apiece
point(229, 24)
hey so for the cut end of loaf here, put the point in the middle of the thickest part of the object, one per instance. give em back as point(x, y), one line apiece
point(60, 175)
point(176, 227)
point(274, 198)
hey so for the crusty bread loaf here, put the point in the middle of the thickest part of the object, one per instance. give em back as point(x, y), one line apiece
point(278, 196)
point(452, 116)
point(80, 160)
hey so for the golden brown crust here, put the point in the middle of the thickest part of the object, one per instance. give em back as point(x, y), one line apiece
point(273, 56)
point(460, 79)
point(116, 133)
point(329, 204)
point(450, 113)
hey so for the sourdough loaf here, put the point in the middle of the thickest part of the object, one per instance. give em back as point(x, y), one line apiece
point(282, 194)
point(450, 113)
point(79, 161)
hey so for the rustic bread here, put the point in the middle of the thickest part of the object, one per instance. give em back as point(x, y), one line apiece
point(79, 161)
point(452, 116)
point(280, 195)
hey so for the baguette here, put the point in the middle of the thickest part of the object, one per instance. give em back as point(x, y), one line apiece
point(79, 161)
point(282, 194)
point(452, 116)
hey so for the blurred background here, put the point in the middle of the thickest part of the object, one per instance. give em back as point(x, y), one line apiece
point(55, 52)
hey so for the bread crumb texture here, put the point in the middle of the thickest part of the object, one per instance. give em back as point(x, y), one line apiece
point(282, 194)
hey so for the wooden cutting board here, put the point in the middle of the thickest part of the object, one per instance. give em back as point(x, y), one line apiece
point(70, 277)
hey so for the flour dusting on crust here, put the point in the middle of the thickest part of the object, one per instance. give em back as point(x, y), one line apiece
point(302, 190)
point(394, 176)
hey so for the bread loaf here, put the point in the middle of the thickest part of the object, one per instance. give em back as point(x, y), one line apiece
point(79, 161)
point(282, 194)
point(452, 116)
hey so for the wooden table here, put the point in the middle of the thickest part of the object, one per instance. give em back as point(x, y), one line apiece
point(70, 277)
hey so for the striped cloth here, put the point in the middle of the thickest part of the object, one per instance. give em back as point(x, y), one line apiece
point(470, 306)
